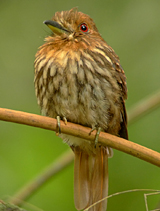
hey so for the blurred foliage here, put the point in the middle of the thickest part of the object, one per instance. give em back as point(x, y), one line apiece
point(9, 207)
point(132, 28)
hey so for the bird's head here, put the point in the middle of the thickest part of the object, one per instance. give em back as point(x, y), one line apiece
point(72, 25)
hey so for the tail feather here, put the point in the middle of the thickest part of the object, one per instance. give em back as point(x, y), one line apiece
point(91, 179)
point(81, 180)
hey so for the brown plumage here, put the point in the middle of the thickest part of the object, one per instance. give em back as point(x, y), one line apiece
point(78, 76)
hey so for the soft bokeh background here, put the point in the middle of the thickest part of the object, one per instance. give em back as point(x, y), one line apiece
point(132, 28)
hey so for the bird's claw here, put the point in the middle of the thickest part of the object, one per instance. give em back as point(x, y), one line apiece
point(65, 120)
point(97, 135)
point(59, 124)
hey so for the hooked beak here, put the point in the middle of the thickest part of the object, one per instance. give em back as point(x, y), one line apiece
point(56, 27)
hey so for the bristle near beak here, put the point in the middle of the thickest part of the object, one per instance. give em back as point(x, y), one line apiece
point(56, 27)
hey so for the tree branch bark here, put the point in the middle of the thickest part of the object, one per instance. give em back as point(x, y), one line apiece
point(105, 139)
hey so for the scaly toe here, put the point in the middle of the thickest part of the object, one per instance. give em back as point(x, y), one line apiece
point(93, 128)
point(97, 135)
point(58, 126)
point(65, 120)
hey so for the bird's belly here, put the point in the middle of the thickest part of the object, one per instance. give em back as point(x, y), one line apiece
point(82, 105)
point(89, 103)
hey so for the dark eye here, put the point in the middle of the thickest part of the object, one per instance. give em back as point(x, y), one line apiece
point(84, 27)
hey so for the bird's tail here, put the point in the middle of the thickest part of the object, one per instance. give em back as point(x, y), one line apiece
point(90, 179)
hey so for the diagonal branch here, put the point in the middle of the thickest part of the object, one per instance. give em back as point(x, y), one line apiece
point(83, 132)
point(59, 164)
point(144, 106)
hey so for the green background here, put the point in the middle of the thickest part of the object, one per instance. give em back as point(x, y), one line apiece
point(132, 28)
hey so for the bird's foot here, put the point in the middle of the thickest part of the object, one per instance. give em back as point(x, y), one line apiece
point(58, 131)
point(97, 134)
point(59, 124)
point(65, 120)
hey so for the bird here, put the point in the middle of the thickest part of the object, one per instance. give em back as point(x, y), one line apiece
point(78, 78)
